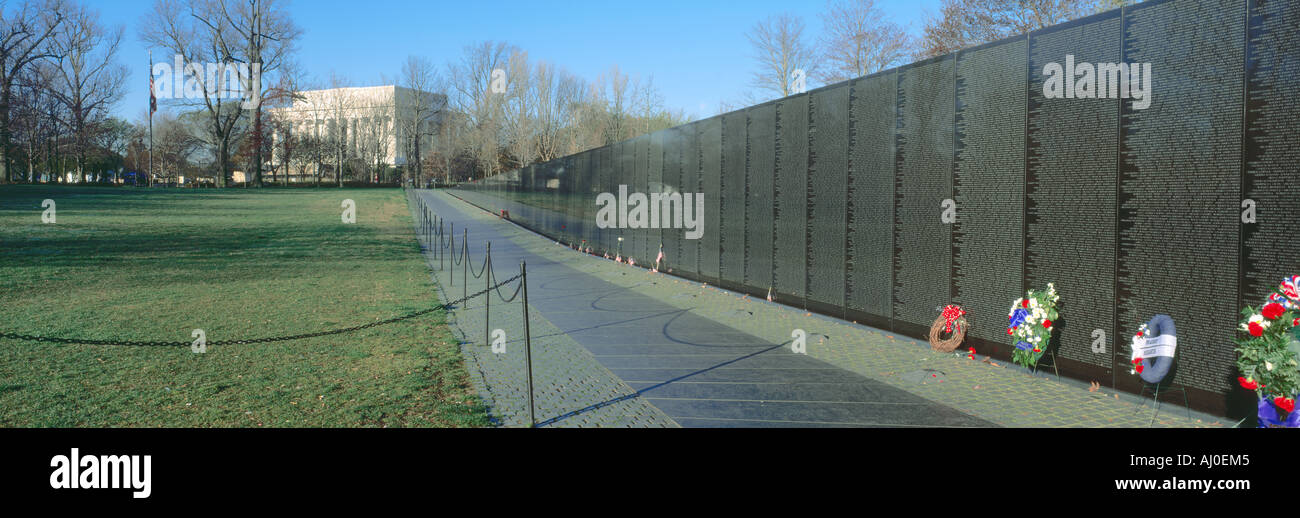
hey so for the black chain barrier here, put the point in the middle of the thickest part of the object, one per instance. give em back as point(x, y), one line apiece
point(155, 343)
point(479, 275)
point(520, 286)
point(440, 240)
point(165, 343)
point(432, 228)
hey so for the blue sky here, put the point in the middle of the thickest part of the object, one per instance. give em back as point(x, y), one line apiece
point(695, 51)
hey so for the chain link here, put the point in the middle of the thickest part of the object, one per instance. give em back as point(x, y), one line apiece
point(518, 288)
point(155, 343)
point(479, 275)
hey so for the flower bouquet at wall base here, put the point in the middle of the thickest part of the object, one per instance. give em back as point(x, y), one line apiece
point(1143, 331)
point(1268, 355)
point(1031, 325)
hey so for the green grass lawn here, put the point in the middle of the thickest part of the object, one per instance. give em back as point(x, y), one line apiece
point(132, 264)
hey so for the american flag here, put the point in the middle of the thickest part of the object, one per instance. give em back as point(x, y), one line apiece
point(153, 100)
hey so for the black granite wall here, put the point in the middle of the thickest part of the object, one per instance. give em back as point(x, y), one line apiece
point(833, 199)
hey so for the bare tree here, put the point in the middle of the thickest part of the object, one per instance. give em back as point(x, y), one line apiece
point(312, 149)
point(264, 37)
point(784, 56)
point(179, 27)
point(859, 40)
point(339, 106)
point(283, 137)
point(479, 103)
point(88, 80)
point(966, 23)
point(519, 109)
point(649, 104)
point(448, 142)
point(557, 95)
point(23, 34)
point(35, 117)
point(256, 34)
point(590, 117)
point(420, 108)
point(302, 155)
point(374, 138)
point(615, 94)
point(314, 143)
point(176, 141)
point(111, 141)
point(536, 112)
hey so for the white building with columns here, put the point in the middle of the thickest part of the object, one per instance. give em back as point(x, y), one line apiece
point(371, 124)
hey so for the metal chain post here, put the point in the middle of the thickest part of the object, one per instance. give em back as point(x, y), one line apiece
point(453, 254)
point(464, 274)
point(528, 345)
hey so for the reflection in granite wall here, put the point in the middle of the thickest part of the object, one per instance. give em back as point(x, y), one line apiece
point(791, 195)
point(828, 168)
point(637, 238)
point(672, 180)
point(655, 184)
point(988, 184)
point(1180, 181)
point(731, 200)
point(1272, 148)
point(873, 114)
point(1073, 146)
point(710, 184)
point(923, 180)
point(689, 249)
point(760, 171)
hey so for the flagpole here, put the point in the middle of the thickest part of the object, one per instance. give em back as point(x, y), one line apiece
point(151, 107)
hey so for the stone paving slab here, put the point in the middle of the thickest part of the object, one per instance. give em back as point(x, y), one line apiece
point(751, 423)
point(888, 414)
point(833, 392)
point(991, 390)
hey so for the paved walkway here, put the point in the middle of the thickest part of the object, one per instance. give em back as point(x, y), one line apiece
point(616, 345)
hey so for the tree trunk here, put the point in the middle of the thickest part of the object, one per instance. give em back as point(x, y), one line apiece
point(5, 92)
point(223, 159)
point(31, 160)
point(257, 145)
point(419, 170)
